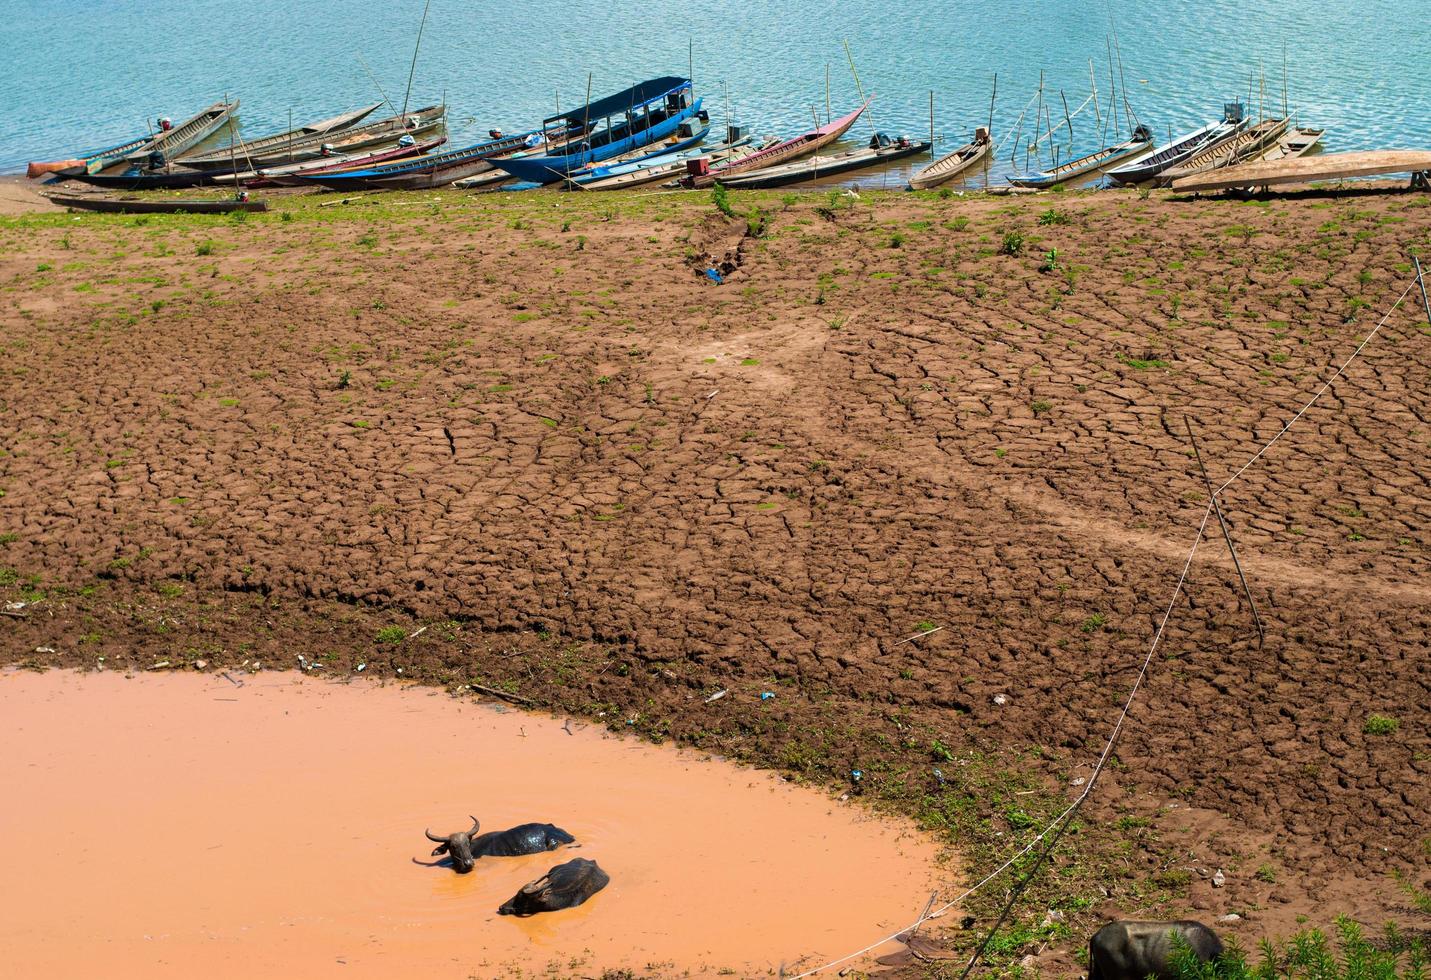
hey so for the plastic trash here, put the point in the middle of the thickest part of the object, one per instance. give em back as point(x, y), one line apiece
point(715, 277)
point(766, 695)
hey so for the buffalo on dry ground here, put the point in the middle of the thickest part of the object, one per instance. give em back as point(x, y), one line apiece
point(465, 846)
point(1138, 950)
point(564, 887)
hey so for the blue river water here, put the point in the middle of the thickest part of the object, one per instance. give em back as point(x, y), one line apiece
point(80, 74)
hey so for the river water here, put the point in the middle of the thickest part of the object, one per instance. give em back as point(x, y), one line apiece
point(181, 825)
point(78, 74)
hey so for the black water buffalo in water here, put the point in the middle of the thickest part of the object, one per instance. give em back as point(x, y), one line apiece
point(465, 846)
point(1138, 950)
point(564, 887)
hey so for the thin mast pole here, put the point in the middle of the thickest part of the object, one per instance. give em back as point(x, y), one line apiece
point(412, 70)
point(586, 121)
point(827, 92)
point(931, 122)
point(858, 87)
point(375, 81)
point(1112, 85)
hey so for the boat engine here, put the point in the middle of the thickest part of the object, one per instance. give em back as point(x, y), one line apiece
point(879, 141)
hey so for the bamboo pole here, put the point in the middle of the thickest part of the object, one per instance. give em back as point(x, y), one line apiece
point(931, 122)
point(990, 128)
point(828, 117)
point(413, 69)
point(859, 87)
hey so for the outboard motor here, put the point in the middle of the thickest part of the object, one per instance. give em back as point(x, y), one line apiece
point(879, 141)
point(1143, 134)
point(495, 134)
point(156, 160)
point(407, 140)
point(326, 150)
point(734, 132)
point(981, 134)
point(165, 124)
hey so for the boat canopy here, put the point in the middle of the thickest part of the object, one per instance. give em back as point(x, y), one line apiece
point(636, 95)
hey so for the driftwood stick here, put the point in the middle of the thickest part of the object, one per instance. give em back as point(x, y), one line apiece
point(504, 695)
point(1226, 533)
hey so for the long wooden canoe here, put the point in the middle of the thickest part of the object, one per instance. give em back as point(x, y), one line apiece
point(817, 166)
point(363, 136)
point(790, 149)
point(198, 126)
point(172, 142)
point(952, 164)
point(1248, 144)
point(223, 157)
point(1302, 169)
point(1293, 144)
point(130, 205)
point(291, 175)
point(1176, 151)
point(1086, 166)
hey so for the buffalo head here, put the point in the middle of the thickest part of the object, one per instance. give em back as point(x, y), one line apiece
point(458, 846)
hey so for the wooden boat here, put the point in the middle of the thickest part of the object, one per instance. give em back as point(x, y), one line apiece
point(291, 175)
point(133, 179)
point(952, 164)
point(131, 205)
point(434, 170)
point(1087, 166)
point(1180, 149)
point(39, 168)
point(362, 136)
point(881, 149)
point(222, 158)
point(1248, 144)
point(667, 167)
point(1294, 143)
point(782, 152)
point(1304, 169)
point(168, 141)
point(173, 176)
point(629, 120)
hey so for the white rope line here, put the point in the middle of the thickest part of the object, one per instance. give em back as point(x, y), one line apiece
point(1088, 787)
point(1018, 124)
point(1142, 672)
point(1323, 389)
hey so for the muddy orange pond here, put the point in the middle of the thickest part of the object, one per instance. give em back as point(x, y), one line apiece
point(185, 826)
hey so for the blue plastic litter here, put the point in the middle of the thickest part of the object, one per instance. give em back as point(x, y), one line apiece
point(766, 695)
point(714, 277)
point(857, 774)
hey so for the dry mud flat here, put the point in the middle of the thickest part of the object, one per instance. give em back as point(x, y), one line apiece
point(532, 430)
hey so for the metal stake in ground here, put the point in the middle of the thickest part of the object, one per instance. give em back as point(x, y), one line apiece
point(1226, 533)
point(1421, 281)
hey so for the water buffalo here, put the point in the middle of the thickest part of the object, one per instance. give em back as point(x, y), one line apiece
point(465, 847)
point(1138, 950)
point(564, 887)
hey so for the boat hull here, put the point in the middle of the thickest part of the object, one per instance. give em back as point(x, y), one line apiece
point(819, 167)
point(1085, 167)
point(113, 205)
point(951, 165)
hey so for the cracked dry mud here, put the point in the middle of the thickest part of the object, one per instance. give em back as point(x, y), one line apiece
point(467, 414)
